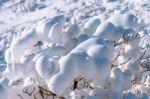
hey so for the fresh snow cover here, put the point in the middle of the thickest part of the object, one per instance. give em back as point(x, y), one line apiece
point(74, 49)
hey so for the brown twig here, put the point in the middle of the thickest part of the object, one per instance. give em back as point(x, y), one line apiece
point(45, 92)
point(116, 58)
point(124, 62)
point(26, 91)
point(126, 40)
point(142, 55)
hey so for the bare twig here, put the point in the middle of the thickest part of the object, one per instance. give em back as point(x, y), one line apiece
point(124, 62)
point(116, 57)
point(126, 40)
point(45, 92)
point(26, 91)
point(142, 55)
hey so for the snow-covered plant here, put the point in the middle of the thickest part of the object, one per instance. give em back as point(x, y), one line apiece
point(59, 61)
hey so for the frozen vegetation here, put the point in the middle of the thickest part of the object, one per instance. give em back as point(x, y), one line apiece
point(75, 49)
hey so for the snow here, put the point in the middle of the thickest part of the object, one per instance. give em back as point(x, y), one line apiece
point(43, 67)
point(55, 34)
point(91, 26)
point(44, 26)
point(109, 31)
point(74, 49)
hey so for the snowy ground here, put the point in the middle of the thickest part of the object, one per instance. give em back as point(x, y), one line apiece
point(14, 17)
point(18, 15)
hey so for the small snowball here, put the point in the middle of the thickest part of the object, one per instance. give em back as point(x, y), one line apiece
point(66, 75)
point(55, 34)
point(98, 51)
point(125, 20)
point(28, 65)
point(21, 44)
point(116, 80)
point(91, 26)
point(108, 31)
point(131, 52)
point(73, 30)
point(44, 69)
point(94, 41)
point(84, 64)
point(69, 45)
point(133, 67)
point(44, 26)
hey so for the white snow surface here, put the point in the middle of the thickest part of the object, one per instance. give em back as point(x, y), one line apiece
point(74, 49)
